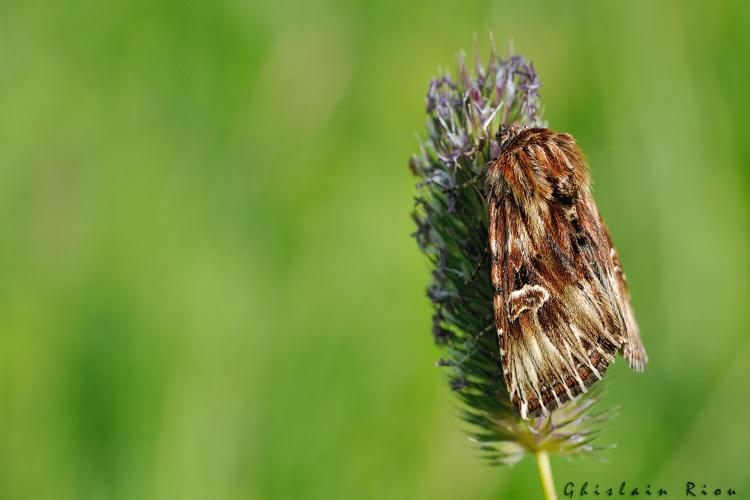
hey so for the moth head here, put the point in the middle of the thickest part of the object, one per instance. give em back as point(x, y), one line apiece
point(506, 143)
point(507, 133)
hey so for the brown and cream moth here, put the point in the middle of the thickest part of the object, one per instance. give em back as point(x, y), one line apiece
point(562, 308)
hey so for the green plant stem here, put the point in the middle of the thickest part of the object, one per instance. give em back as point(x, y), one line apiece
point(545, 475)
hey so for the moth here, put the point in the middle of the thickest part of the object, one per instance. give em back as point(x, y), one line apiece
point(561, 302)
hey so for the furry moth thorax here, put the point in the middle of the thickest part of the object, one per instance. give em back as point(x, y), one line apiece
point(533, 162)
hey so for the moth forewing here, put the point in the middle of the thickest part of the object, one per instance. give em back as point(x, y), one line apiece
point(562, 309)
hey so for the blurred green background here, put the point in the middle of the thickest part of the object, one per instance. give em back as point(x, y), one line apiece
point(207, 284)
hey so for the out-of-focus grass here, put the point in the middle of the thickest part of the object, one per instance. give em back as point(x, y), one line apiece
point(208, 287)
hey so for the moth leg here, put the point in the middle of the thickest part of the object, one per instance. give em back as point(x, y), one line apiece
point(463, 185)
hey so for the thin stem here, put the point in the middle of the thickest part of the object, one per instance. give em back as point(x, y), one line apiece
point(545, 475)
